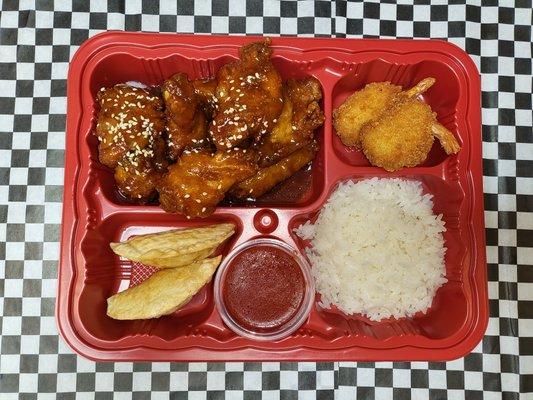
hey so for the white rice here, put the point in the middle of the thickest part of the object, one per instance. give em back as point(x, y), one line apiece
point(377, 249)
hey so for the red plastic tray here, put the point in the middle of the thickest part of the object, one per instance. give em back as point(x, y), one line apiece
point(93, 215)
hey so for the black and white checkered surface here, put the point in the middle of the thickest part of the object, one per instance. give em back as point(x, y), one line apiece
point(38, 38)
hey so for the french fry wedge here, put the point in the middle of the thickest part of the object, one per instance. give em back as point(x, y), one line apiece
point(163, 293)
point(174, 248)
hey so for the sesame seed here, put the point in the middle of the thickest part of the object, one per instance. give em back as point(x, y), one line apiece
point(187, 195)
point(203, 209)
point(198, 201)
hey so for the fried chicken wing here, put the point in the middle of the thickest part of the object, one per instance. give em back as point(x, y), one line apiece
point(248, 95)
point(199, 180)
point(268, 177)
point(300, 116)
point(403, 135)
point(129, 128)
point(128, 118)
point(205, 89)
point(138, 173)
point(361, 108)
point(186, 119)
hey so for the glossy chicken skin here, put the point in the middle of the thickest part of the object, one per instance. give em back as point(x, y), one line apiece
point(129, 118)
point(300, 117)
point(249, 97)
point(186, 119)
point(199, 180)
point(266, 178)
point(137, 175)
point(129, 128)
point(205, 90)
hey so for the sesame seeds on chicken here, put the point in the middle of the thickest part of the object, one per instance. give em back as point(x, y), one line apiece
point(192, 142)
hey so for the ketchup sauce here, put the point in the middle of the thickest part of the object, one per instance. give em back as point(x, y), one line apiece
point(264, 287)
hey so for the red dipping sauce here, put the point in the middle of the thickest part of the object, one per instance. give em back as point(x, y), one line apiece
point(263, 288)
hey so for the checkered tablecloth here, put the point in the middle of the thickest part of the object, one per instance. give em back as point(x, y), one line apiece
point(37, 40)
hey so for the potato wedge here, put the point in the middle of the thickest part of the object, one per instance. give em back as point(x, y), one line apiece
point(163, 293)
point(174, 248)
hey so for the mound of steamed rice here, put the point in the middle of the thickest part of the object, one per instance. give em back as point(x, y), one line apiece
point(377, 249)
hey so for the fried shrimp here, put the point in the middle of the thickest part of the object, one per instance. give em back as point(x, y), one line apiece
point(360, 108)
point(404, 134)
point(393, 127)
point(366, 105)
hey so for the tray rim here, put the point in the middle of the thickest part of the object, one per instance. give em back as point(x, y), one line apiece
point(66, 272)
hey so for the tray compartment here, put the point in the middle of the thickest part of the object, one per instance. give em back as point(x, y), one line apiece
point(438, 322)
point(106, 274)
point(298, 191)
point(442, 97)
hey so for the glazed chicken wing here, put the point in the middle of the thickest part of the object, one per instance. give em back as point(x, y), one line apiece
point(248, 96)
point(268, 177)
point(129, 128)
point(205, 90)
point(300, 116)
point(185, 112)
point(199, 180)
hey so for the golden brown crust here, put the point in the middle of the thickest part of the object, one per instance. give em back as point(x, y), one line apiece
point(401, 137)
point(360, 108)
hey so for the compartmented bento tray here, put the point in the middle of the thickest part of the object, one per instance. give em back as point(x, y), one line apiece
point(93, 214)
